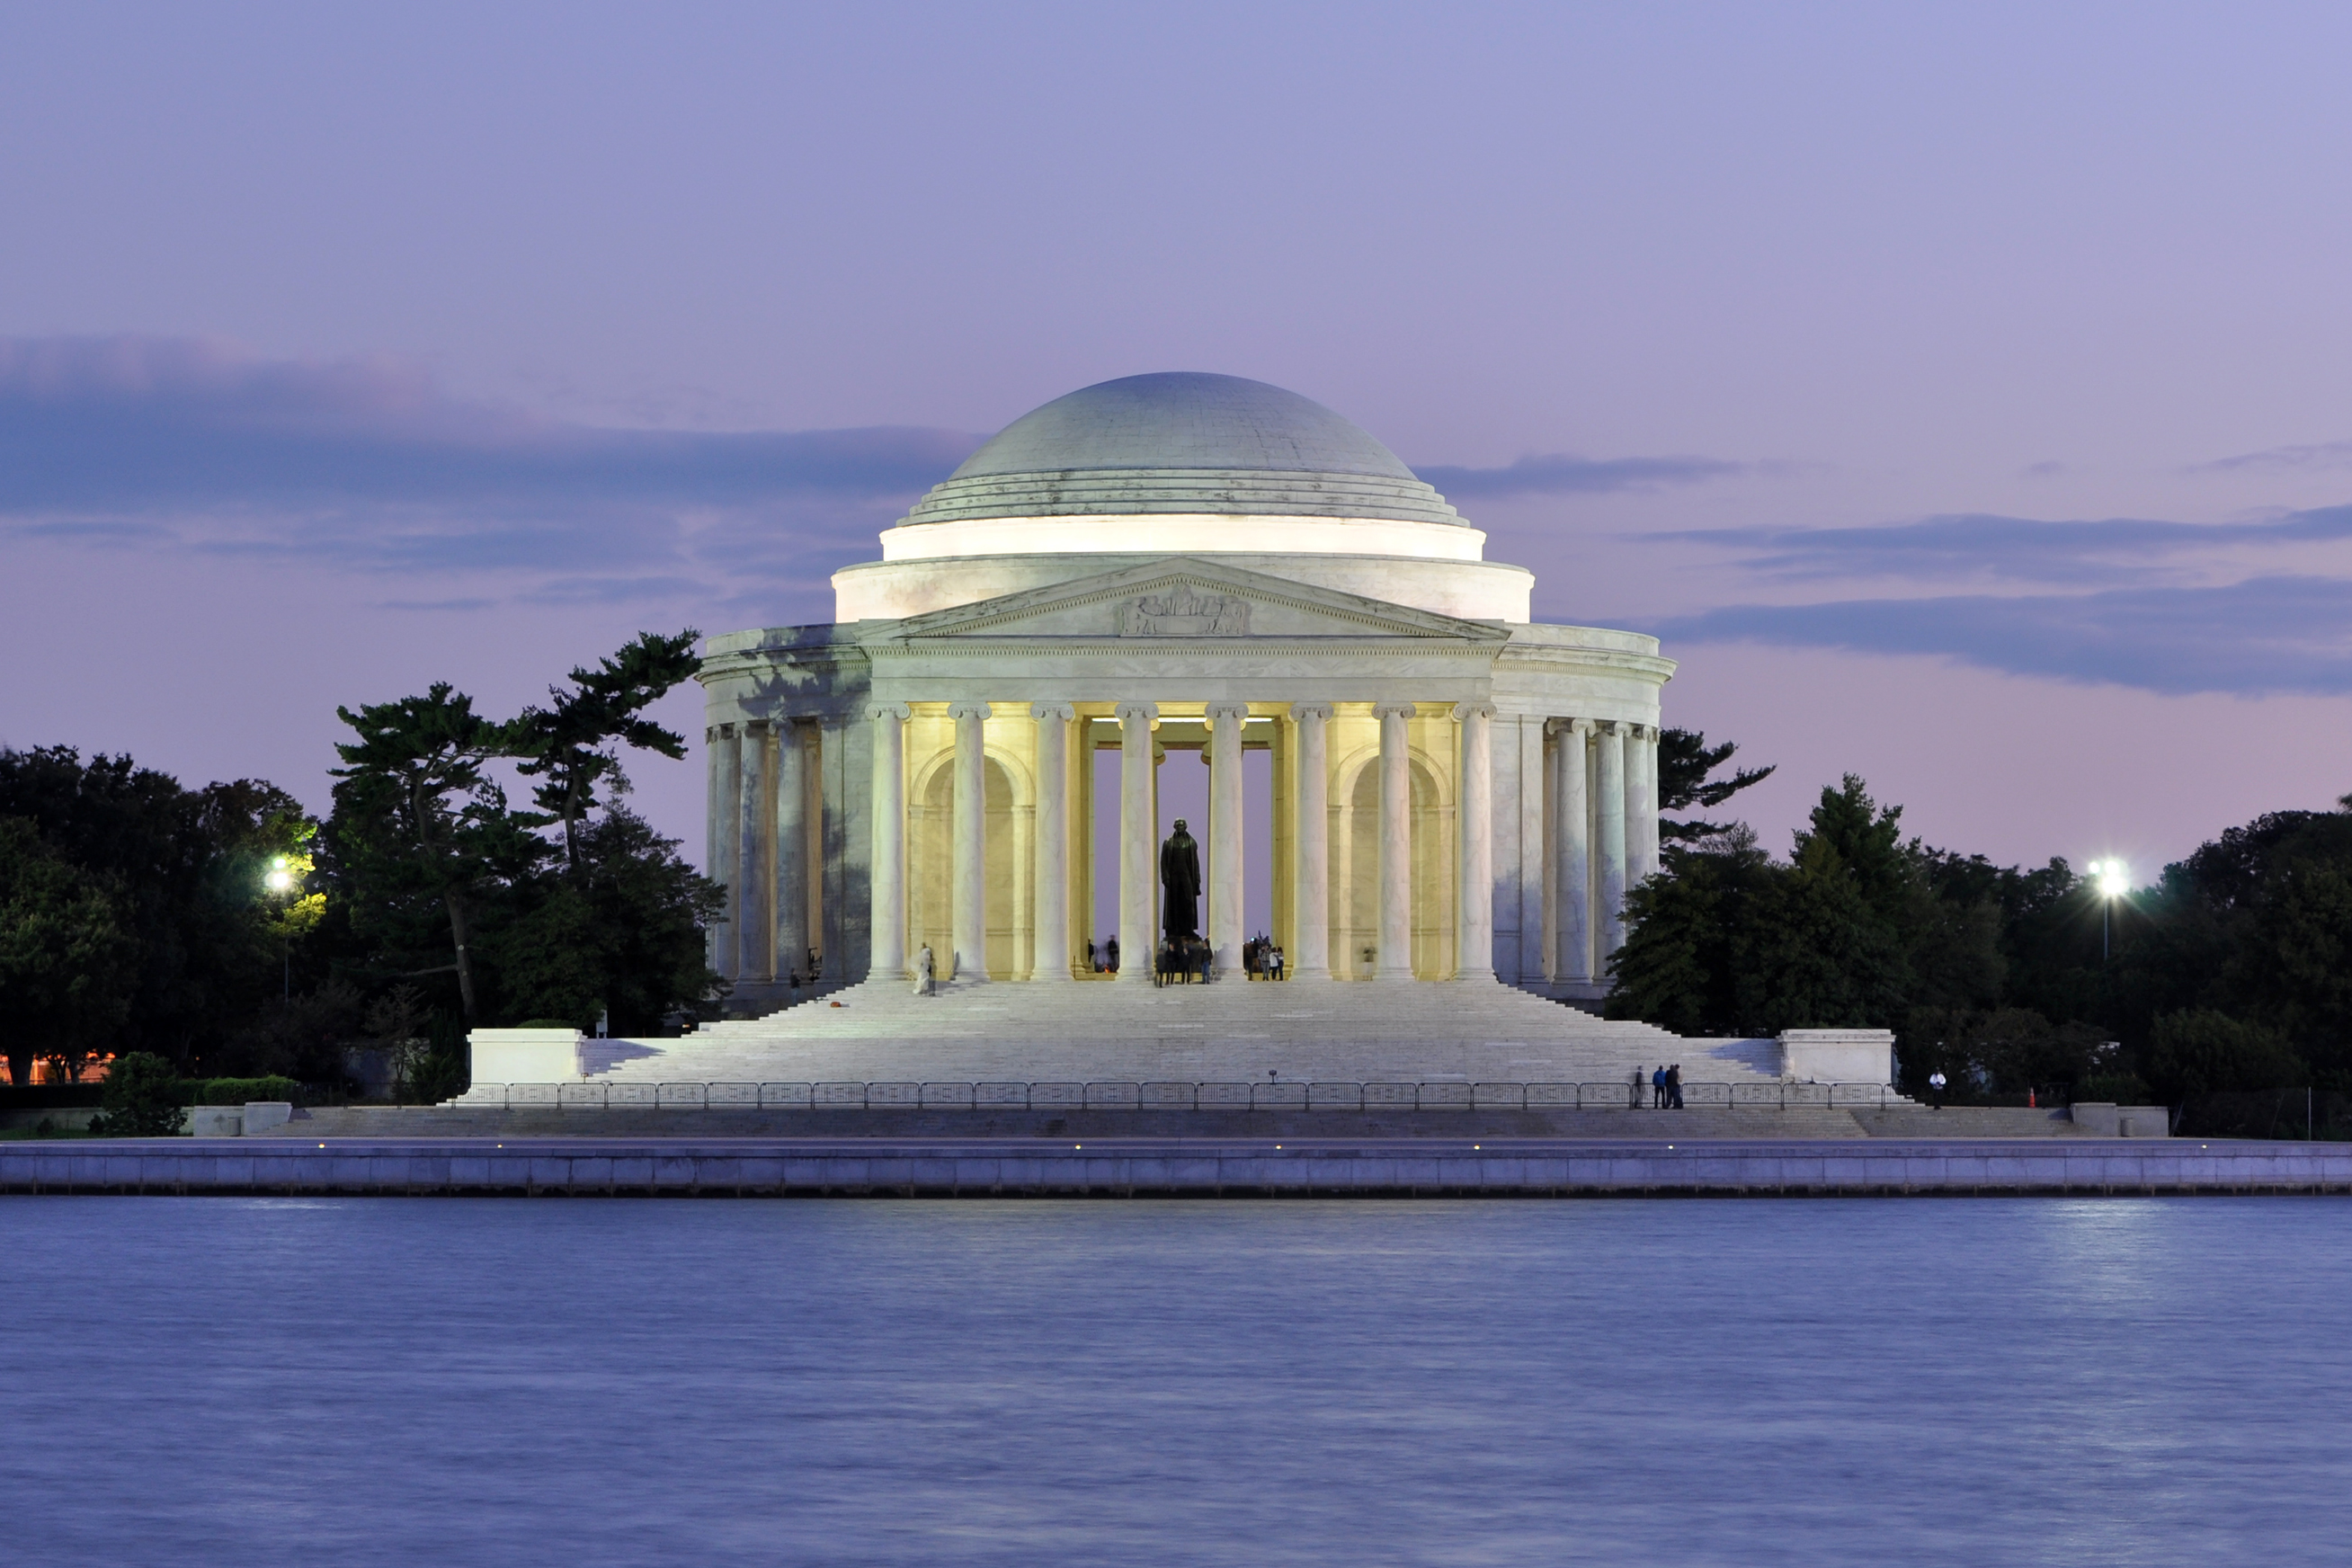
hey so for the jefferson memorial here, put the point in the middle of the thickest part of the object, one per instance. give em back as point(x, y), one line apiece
point(1153, 566)
point(926, 812)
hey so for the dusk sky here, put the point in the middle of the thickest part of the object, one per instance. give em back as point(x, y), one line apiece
point(1964, 394)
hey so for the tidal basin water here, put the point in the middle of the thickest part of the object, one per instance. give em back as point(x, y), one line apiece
point(452, 1381)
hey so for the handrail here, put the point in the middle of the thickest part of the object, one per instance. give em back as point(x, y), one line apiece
point(1280, 1094)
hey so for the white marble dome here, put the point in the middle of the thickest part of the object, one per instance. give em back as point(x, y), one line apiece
point(1182, 442)
point(1182, 463)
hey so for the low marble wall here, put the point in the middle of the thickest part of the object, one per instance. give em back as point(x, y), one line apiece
point(1138, 1167)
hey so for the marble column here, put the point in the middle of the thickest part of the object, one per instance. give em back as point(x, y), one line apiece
point(1571, 820)
point(968, 895)
point(1139, 879)
point(1637, 792)
point(1310, 900)
point(1049, 950)
point(725, 812)
point(1225, 720)
point(754, 936)
point(1394, 959)
point(792, 853)
point(886, 911)
point(1611, 784)
point(1474, 901)
point(714, 813)
point(1646, 809)
point(1533, 864)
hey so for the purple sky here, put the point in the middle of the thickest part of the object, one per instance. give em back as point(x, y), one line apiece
point(1962, 392)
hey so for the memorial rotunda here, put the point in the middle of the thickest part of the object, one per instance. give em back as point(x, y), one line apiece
point(1154, 566)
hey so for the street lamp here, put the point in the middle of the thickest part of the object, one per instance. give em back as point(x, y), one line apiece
point(281, 880)
point(2113, 881)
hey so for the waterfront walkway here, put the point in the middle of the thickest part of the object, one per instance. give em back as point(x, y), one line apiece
point(1139, 1167)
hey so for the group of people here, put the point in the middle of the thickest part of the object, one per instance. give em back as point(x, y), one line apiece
point(1182, 959)
point(1665, 1087)
point(1262, 958)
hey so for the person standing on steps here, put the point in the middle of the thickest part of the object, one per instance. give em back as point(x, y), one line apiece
point(1658, 1088)
point(1640, 1078)
point(923, 971)
point(1111, 954)
point(1674, 1087)
point(1936, 1090)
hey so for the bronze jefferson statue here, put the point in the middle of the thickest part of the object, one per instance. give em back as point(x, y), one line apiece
point(1180, 878)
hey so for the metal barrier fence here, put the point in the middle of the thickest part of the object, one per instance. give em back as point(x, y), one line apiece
point(1271, 1095)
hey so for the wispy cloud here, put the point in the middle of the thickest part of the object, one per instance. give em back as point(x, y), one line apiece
point(368, 465)
point(1560, 473)
point(2106, 552)
point(2275, 634)
point(2320, 455)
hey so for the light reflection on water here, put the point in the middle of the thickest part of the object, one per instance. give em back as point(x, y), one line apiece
point(209, 1381)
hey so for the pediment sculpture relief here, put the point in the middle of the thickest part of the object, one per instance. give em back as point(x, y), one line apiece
point(1182, 612)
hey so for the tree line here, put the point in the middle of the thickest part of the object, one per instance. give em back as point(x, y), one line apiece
point(2231, 973)
point(228, 933)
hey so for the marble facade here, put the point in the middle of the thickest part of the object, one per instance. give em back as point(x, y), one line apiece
point(1460, 794)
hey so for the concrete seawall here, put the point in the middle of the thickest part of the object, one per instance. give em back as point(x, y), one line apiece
point(1175, 1168)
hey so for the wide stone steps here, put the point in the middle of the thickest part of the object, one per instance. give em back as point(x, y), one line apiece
point(1230, 1031)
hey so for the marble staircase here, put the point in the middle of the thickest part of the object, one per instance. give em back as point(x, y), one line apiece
point(1230, 1031)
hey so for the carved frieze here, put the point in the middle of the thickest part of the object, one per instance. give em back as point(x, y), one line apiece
point(1181, 612)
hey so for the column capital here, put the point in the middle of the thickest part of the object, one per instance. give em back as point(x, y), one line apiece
point(1394, 710)
point(1609, 727)
point(1061, 711)
point(1148, 712)
point(1465, 711)
point(1567, 726)
point(967, 708)
point(1302, 711)
point(755, 727)
point(1216, 711)
point(724, 732)
point(898, 711)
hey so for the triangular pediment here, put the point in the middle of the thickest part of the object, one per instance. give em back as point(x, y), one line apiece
point(1186, 598)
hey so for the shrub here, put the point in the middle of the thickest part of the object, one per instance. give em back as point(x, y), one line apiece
point(2115, 1088)
point(547, 1024)
point(238, 1090)
point(142, 1099)
point(2205, 1052)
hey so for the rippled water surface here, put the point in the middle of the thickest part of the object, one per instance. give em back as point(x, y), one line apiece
point(212, 1380)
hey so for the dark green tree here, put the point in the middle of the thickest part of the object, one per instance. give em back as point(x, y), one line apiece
point(187, 867)
point(66, 956)
point(1818, 955)
point(1687, 935)
point(142, 1099)
point(624, 934)
point(421, 832)
point(1687, 769)
point(2204, 1052)
point(571, 743)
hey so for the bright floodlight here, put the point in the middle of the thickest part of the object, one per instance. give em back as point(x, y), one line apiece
point(279, 881)
point(2114, 877)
